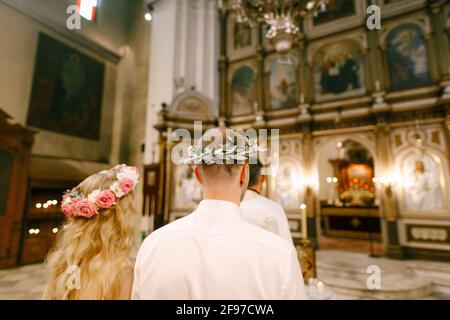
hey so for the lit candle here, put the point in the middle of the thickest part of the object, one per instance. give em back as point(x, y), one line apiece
point(304, 222)
point(321, 289)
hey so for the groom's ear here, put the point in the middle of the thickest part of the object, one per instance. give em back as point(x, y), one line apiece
point(197, 175)
point(244, 175)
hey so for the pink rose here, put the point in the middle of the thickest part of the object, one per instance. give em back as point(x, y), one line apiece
point(86, 209)
point(69, 209)
point(126, 185)
point(106, 199)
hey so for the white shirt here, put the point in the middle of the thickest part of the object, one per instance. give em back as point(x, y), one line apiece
point(214, 254)
point(266, 214)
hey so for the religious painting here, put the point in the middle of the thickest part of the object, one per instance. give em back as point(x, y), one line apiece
point(67, 91)
point(242, 39)
point(243, 91)
point(339, 71)
point(407, 58)
point(187, 192)
point(336, 9)
point(283, 85)
point(423, 188)
point(288, 190)
point(242, 36)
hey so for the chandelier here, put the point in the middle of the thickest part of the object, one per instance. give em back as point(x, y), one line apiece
point(283, 17)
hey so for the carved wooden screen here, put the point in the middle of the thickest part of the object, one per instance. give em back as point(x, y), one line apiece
point(6, 162)
point(153, 187)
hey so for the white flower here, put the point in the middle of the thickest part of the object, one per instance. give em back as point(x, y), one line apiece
point(128, 173)
point(93, 196)
point(116, 189)
point(239, 150)
point(67, 201)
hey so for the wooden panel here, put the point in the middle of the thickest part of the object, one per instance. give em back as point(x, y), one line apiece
point(6, 162)
point(152, 190)
point(153, 193)
point(15, 146)
point(47, 220)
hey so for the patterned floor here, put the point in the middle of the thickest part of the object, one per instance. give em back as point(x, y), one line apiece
point(338, 269)
point(25, 283)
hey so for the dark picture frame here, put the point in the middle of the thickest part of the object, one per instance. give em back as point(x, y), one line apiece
point(67, 91)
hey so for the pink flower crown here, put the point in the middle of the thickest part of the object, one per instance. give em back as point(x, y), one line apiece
point(76, 204)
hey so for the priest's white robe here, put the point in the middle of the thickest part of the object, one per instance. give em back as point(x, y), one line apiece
point(266, 214)
point(214, 254)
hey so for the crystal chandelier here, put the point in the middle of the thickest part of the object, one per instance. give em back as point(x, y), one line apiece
point(283, 17)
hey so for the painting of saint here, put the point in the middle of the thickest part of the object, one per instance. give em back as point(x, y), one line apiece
point(338, 71)
point(283, 86)
point(243, 91)
point(188, 192)
point(423, 190)
point(67, 91)
point(288, 194)
point(242, 35)
point(407, 58)
point(336, 9)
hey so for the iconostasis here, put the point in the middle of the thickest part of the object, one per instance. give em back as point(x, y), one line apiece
point(363, 116)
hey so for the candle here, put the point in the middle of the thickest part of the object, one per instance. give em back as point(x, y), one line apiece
point(302, 98)
point(321, 290)
point(304, 222)
point(378, 85)
point(255, 107)
point(342, 153)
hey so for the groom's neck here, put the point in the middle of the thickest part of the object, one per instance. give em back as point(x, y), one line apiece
point(230, 196)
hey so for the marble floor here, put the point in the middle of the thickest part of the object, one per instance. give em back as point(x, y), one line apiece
point(344, 272)
point(347, 274)
point(24, 283)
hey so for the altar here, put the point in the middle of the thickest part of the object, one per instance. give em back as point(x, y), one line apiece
point(351, 223)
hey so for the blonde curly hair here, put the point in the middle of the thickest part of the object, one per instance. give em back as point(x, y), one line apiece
point(98, 248)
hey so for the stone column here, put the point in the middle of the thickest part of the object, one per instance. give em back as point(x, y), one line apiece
point(260, 56)
point(223, 69)
point(388, 201)
point(375, 59)
point(162, 71)
point(310, 195)
point(302, 72)
point(438, 21)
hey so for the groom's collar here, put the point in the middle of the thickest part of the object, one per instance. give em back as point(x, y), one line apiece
point(219, 207)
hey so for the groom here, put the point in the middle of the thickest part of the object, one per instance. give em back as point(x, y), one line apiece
point(213, 253)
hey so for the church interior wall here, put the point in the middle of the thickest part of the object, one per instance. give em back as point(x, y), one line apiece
point(119, 40)
point(372, 112)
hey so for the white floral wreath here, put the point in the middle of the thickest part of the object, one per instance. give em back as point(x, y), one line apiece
point(233, 151)
point(76, 204)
